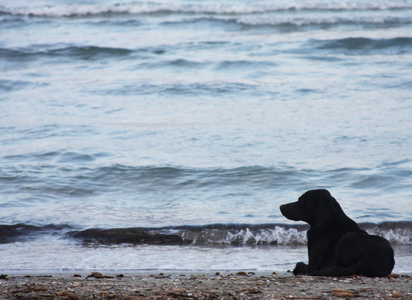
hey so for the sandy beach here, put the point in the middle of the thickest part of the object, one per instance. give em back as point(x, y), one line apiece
point(219, 285)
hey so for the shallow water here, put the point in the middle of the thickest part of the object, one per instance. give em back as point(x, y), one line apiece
point(191, 113)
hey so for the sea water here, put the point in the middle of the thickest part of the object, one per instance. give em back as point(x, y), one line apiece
point(198, 119)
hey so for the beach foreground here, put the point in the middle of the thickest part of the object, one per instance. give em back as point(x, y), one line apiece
point(219, 285)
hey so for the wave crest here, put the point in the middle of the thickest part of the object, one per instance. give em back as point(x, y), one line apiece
point(398, 233)
point(140, 7)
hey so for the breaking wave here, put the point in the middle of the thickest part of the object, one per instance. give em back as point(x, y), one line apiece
point(398, 233)
point(138, 7)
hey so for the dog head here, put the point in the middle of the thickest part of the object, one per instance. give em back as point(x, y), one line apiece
point(315, 207)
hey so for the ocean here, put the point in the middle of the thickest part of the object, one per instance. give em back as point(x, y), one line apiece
point(177, 129)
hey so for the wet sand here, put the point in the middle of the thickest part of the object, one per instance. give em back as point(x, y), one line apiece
point(219, 285)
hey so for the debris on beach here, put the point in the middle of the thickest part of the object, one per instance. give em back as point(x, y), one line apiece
point(203, 287)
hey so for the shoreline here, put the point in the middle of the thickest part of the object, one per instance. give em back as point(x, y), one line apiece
point(200, 285)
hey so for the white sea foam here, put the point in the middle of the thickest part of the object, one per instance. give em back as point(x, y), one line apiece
point(150, 7)
point(279, 235)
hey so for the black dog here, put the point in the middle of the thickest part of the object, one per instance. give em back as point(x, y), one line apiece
point(336, 244)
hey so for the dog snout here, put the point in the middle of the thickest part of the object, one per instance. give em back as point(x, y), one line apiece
point(289, 210)
point(285, 210)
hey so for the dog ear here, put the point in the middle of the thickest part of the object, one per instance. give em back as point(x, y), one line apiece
point(324, 210)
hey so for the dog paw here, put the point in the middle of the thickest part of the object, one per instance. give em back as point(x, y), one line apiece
point(300, 268)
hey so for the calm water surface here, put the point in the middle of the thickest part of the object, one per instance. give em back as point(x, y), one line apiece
point(119, 114)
